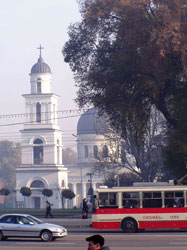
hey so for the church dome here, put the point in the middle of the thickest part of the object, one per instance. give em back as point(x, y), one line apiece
point(91, 123)
point(40, 67)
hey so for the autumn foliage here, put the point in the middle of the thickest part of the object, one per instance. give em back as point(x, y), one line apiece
point(128, 55)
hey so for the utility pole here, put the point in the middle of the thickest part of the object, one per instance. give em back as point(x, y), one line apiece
point(79, 140)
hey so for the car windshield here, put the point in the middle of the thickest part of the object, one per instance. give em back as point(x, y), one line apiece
point(35, 219)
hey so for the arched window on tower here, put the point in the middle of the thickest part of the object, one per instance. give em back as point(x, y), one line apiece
point(39, 86)
point(86, 151)
point(38, 151)
point(37, 184)
point(38, 112)
point(95, 151)
point(105, 151)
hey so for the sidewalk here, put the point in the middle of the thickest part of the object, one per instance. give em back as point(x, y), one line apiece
point(70, 222)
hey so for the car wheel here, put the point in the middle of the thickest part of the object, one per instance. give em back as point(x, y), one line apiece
point(46, 235)
point(129, 225)
point(1, 236)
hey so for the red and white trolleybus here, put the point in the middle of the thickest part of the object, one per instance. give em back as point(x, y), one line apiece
point(133, 208)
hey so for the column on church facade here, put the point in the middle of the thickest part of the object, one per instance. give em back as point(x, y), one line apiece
point(54, 120)
point(60, 155)
point(50, 112)
point(55, 114)
point(42, 112)
point(34, 112)
point(94, 186)
point(46, 113)
point(74, 187)
point(27, 118)
point(84, 190)
point(31, 112)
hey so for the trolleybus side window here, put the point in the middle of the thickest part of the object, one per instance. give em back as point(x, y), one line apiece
point(152, 199)
point(131, 200)
point(108, 200)
point(174, 199)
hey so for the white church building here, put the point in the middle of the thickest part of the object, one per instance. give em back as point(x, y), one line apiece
point(91, 140)
point(41, 165)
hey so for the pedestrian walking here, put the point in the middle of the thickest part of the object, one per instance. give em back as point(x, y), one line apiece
point(84, 209)
point(48, 209)
point(96, 242)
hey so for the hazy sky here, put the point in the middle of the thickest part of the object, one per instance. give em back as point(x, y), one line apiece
point(24, 25)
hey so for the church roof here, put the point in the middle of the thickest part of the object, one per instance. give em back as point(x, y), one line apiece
point(40, 67)
point(91, 123)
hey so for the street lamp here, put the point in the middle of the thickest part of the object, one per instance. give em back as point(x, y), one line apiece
point(78, 138)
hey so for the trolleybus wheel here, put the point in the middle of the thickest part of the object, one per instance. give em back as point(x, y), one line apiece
point(129, 225)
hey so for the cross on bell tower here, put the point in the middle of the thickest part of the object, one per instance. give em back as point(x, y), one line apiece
point(40, 48)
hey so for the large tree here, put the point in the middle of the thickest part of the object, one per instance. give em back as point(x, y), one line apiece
point(10, 159)
point(176, 151)
point(143, 160)
point(149, 154)
point(128, 55)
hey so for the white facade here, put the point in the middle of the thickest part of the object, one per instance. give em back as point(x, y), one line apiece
point(79, 182)
point(87, 142)
point(91, 138)
point(50, 177)
point(41, 166)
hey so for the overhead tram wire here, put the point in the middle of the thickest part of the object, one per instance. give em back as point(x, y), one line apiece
point(65, 140)
point(34, 122)
point(21, 115)
point(30, 122)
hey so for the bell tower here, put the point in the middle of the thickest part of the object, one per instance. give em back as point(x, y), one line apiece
point(41, 141)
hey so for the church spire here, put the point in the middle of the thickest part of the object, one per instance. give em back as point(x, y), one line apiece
point(40, 66)
point(40, 48)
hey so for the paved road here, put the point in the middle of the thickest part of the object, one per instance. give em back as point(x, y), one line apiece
point(80, 229)
point(117, 241)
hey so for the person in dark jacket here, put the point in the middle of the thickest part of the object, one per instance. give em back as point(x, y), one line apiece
point(96, 242)
point(48, 209)
point(84, 209)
